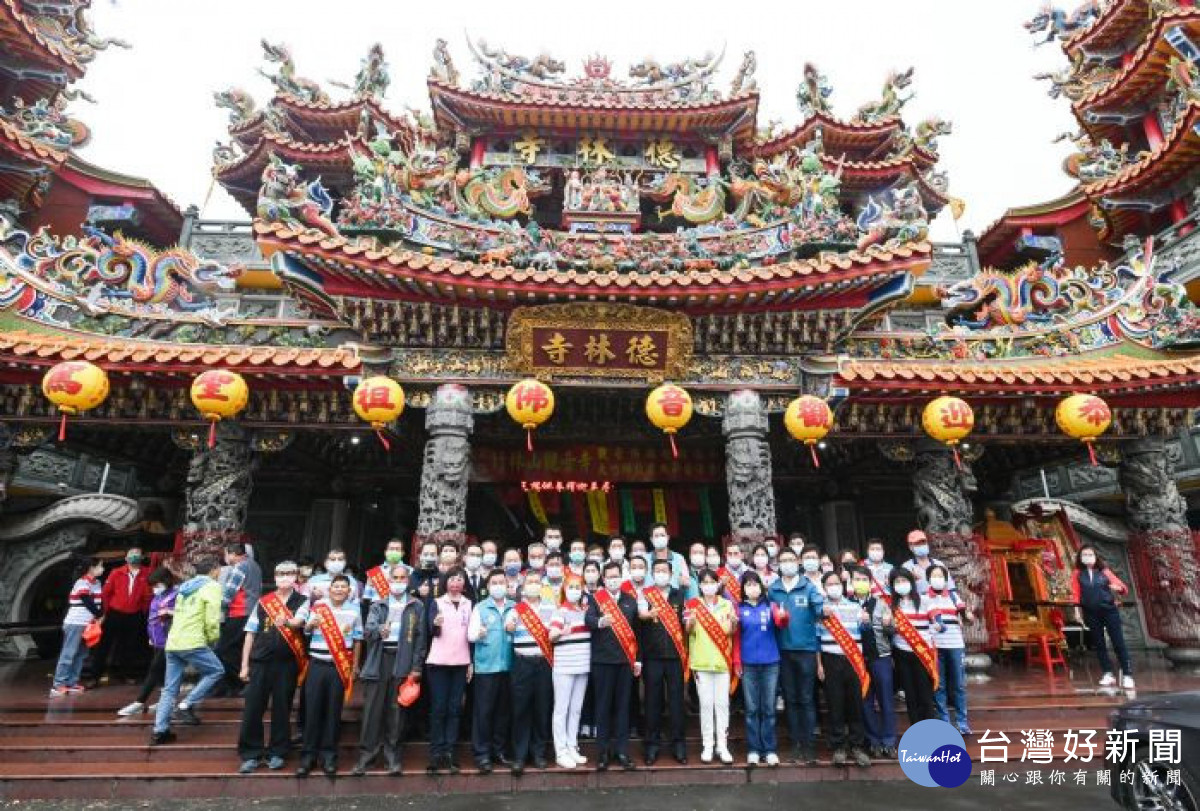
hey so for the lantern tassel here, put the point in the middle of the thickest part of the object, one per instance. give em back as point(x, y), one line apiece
point(62, 428)
point(1091, 452)
point(812, 449)
point(957, 458)
point(387, 446)
point(529, 440)
point(674, 450)
point(212, 434)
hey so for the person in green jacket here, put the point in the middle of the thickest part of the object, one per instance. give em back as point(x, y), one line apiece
point(196, 628)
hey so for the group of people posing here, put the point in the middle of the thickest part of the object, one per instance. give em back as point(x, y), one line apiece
point(560, 643)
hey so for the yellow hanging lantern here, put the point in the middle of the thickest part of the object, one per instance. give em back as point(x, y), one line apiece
point(809, 419)
point(1084, 417)
point(669, 408)
point(529, 402)
point(379, 400)
point(74, 386)
point(219, 394)
point(948, 420)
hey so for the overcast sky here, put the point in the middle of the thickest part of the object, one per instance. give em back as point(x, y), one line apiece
point(974, 65)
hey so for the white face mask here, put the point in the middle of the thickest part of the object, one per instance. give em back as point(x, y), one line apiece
point(903, 588)
point(760, 561)
point(697, 561)
point(662, 579)
point(335, 566)
point(772, 550)
point(637, 575)
point(283, 581)
point(474, 562)
point(833, 592)
point(497, 591)
point(591, 578)
point(574, 594)
point(811, 565)
point(660, 541)
point(875, 555)
point(553, 543)
point(733, 561)
point(1088, 560)
point(554, 572)
point(789, 569)
point(616, 554)
point(937, 583)
point(713, 563)
point(489, 559)
point(709, 589)
point(399, 589)
point(532, 591)
point(613, 584)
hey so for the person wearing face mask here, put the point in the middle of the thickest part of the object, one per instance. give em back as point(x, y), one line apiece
point(572, 663)
point(241, 586)
point(491, 555)
point(378, 579)
point(797, 604)
point(1095, 589)
point(637, 549)
point(590, 577)
point(448, 557)
point(912, 646)
point(491, 684)
point(552, 538)
point(448, 669)
point(476, 586)
point(616, 554)
point(796, 543)
point(849, 559)
point(710, 621)
point(921, 560)
point(529, 623)
point(425, 578)
point(512, 573)
point(660, 542)
point(772, 547)
point(84, 604)
point(395, 644)
point(663, 646)
point(696, 564)
point(880, 569)
point(842, 669)
point(760, 561)
point(879, 704)
point(552, 580)
point(126, 599)
point(576, 557)
point(731, 573)
point(335, 564)
point(612, 617)
point(158, 623)
point(536, 555)
point(945, 609)
point(272, 657)
point(758, 670)
point(810, 565)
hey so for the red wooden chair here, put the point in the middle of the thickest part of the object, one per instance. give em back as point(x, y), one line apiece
point(1045, 647)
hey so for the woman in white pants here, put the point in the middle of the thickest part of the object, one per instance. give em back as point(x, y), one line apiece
point(710, 621)
point(572, 663)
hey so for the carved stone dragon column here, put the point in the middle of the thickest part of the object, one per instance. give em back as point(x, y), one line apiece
point(217, 495)
point(942, 497)
point(1162, 548)
point(748, 467)
point(447, 464)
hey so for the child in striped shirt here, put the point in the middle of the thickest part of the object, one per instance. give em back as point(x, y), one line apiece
point(945, 608)
point(84, 605)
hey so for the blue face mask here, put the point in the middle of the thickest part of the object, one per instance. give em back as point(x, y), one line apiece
point(578, 557)
point(512, 569)
point(921, 551)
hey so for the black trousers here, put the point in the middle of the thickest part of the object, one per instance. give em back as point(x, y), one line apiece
point(532, 701)
point(271, 682)
point(155, 676)
point(383, 719)
point(659, 676)
point(913, 679)
point(323, 695)
point(843, 692)
point(446, 686)
point(124, 643)
point(613, 686)
point(229, 650)
point(490, 715)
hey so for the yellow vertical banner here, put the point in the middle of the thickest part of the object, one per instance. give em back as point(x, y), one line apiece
point(598, 508)
point(535, 504)
point(660, 506)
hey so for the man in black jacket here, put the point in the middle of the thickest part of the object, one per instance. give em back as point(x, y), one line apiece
point(612, 617)
point(661, 660)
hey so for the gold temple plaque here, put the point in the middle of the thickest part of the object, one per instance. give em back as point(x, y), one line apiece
point(599, 340)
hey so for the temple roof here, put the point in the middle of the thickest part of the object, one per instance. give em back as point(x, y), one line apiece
point(997, 244)
point(25, 156)
point(1115, 28)
point(23, 41)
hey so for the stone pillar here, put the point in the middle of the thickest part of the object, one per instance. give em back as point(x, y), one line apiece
point(748, 467)
point(1162, 549)
point(8, 461)
point(217, 496)
point(942, 497)
point(447, 463)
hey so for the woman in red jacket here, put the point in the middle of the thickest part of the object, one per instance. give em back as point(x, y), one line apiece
point(1094, 588)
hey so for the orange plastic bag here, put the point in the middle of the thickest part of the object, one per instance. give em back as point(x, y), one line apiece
point(92, 633)
point(408, 692)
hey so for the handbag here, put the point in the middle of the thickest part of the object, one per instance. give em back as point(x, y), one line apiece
point(92, 633)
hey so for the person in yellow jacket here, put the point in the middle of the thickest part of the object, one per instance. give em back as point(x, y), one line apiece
point(709, 621)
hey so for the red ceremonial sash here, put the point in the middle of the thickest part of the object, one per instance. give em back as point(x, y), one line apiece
point(620, 625)
point(925, 652)
point(343, 659)
point(670, 622)
point(276, 609)
point(731, 584)
point(851, 649)
point(537, 629)
point(721, 639)
point(379, 581)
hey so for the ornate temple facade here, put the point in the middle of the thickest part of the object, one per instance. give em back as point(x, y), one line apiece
point(606, 229)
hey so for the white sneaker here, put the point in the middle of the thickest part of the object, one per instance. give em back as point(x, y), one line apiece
point(1127, 683)
point(578, 756)
point(182, 706)
point(723, 754)
point(564, 760)
point(752, 759)
point(1108, 680)
point(133, 708)
point(152, 707)
point(772, 759)
point(706, 755)
point(779, 706)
